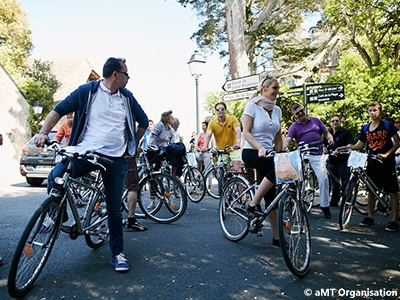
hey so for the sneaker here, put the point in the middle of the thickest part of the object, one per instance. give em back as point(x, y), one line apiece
point(152, 204)
point(276, 243)
point(392, 227)
point(367, 222)
point(135, 225)
point(120, 263)
point(46, 226)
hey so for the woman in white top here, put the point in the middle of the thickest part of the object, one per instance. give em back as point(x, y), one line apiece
point(262, 131)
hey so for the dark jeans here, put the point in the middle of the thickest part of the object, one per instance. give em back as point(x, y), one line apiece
point(342, 172)
point(114, 180)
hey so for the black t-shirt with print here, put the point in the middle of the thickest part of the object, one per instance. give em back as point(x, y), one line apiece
point(378, 140)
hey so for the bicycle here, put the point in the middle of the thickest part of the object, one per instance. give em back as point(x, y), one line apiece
point(194, 183)
point(216, 175)
point(89, 212)
point(352, 197)
point(293, 225)
point(161, 196)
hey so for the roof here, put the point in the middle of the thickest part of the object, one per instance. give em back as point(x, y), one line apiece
point(72, 72)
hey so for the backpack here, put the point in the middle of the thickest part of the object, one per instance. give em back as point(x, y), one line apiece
point(387, 126)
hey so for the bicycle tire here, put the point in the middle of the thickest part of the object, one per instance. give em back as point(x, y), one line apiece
point(194, 184)
point(309, 188)
point(211, 182)
point(162, 198)
point(348, 201)
point(233, 216)
point(34, 247)
point(97, 215)
point(294, 234)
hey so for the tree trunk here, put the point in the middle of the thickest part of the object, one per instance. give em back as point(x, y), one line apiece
point(234, 10)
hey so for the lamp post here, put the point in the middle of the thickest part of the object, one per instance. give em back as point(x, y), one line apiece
point(196, 63)
point(37, 109)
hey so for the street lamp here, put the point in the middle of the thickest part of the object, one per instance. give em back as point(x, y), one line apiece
point(37, 109)
point(196, 64)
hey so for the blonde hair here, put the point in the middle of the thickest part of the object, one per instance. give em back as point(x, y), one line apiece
point(267, 81)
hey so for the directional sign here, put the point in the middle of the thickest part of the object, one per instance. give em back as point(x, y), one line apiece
point(326, 89)
point(241, 83)
point(239, 95)
point(325, 97)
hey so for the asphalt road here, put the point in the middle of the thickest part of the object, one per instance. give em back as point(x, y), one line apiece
point(191, 259)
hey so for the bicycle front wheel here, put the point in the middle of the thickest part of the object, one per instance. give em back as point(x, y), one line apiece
point(348, 201)
point(294, 234)
point(310, 186)
point(194, 184)
point(232, 209)
point(211, 182)
point(34, 247)
point(162, 198)
point(96, 226)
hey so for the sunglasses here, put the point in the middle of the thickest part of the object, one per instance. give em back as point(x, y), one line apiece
point(125, 73)
point(299, 112)
point(220, 109)
point(334, 121)
point(397, 122)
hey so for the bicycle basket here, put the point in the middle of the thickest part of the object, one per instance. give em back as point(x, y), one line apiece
point(288, 167)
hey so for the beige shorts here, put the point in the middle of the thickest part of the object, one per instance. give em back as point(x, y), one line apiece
point(235, 155)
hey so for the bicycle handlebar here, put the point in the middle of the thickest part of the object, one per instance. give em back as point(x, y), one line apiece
point(90, 156)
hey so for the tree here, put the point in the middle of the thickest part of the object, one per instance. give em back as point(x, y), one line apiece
point(16, 42)
point(39, 88)
point(264, 22)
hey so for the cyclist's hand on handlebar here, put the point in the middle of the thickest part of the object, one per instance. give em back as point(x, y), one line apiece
point(40, 139)
point(236, 147)
point(262, 152)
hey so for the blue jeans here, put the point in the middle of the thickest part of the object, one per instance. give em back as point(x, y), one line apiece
point(114, 180)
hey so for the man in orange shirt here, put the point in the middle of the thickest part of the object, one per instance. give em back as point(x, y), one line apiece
point(65, 129)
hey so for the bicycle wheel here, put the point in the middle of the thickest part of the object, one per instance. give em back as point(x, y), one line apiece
point(34, 247)
point(194, 184)
point(310, 186)
point(294, 234)
point(162, 198)
point(232, 209)
point(348, 201)
point(96, 224)
point(211, 183)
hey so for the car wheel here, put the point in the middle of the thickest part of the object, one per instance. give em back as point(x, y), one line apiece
point(34, 181)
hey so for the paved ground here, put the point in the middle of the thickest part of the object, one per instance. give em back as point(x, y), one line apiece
point(191, 259)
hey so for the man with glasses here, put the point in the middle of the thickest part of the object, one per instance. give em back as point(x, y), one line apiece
point(309, 129)
point(226, 130)
point(105, 120)
point(338, 162)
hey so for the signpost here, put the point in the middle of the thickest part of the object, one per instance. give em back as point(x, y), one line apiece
point(240, 88)
point(242, 83)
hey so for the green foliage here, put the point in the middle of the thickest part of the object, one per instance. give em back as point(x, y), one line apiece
point(39, 88)
point(16, 38)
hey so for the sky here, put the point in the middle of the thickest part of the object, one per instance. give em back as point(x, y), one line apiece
point(152, 35)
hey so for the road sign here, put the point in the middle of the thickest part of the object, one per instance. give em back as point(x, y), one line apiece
point(239, 95)
point(326, 90)
point(325, 97)
point(241, 83)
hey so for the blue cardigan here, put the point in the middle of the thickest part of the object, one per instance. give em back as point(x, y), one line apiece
point(80, 100)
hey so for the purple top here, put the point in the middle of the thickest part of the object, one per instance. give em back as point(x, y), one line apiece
point(307, 133)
